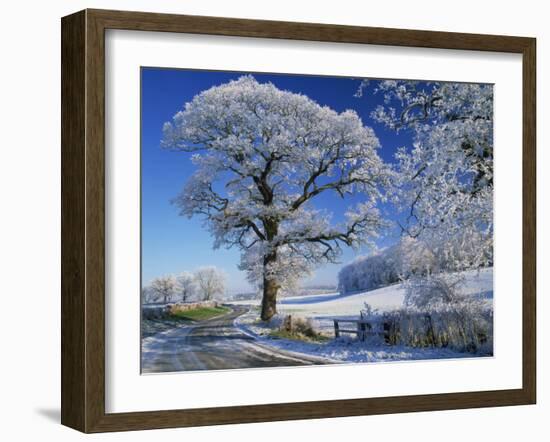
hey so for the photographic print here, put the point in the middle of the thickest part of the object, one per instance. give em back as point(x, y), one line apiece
point(298, 220)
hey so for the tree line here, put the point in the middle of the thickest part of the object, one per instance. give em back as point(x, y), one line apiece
point(204, 284)
point(410, 258)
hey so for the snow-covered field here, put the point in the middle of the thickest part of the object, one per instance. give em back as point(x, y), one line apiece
point(322, 308)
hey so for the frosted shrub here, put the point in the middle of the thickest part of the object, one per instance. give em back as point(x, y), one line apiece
point(303, 326)
point(438, 291)
point(438, 314)
point(374, 326)
point(369, 312)
point(456, 329)
point(296, 327)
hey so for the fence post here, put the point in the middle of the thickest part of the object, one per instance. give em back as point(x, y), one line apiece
point(386, 329)
point(287, 324)
point(362, 331)
point(336, 329)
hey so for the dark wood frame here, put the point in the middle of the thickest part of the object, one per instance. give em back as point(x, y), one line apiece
point(83, 220)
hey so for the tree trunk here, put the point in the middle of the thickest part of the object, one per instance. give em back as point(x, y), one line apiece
point(269, 300)
point(271, 287)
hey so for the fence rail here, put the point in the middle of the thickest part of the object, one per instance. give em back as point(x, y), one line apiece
point(363, 328)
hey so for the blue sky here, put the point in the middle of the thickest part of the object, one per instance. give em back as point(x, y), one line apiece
point(172, 243)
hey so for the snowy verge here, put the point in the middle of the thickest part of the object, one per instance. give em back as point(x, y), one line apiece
point(341, 350)
point(248, 325)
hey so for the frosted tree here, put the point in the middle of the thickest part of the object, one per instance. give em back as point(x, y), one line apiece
point(445, 181)
point(185, 286)
point(164, 288)
point(146, 295)
point(210, 282)
point(263, 156)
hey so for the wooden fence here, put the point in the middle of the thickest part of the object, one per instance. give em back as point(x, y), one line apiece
point(361, 327)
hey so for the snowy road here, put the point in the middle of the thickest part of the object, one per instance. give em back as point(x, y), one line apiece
point(212, 345)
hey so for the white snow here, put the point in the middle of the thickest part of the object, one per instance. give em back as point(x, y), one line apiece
point(330, 305)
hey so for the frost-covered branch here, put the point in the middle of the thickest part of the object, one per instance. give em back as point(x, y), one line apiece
point(443, 184)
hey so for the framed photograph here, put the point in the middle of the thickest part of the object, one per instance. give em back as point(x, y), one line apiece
point(268, 221)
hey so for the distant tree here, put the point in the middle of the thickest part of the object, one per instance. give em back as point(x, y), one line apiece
point(186, 286)
point(164, 288)
point(210, 282)
point(263, 156)
point(147, 296)
point(402, 260)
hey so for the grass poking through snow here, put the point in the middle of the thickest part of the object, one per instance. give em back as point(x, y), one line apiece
point(201, 313)
point(283, 334)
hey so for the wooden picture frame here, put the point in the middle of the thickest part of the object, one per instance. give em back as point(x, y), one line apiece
point(83, 220)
